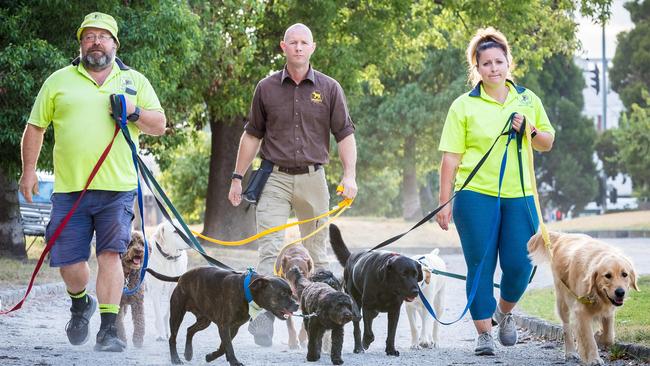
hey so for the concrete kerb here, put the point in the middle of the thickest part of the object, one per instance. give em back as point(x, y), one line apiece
point(11, 297)
point(554, 332)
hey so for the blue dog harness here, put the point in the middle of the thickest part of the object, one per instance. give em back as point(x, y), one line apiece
point(253, 309)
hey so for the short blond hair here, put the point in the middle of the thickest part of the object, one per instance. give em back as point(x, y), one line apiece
point(486, 38)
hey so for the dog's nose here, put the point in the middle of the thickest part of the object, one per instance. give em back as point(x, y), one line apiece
point(619, 292)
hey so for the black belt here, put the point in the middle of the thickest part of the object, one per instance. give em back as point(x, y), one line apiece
point(294, 170)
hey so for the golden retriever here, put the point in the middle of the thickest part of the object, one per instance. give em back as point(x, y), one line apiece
point(585, 267)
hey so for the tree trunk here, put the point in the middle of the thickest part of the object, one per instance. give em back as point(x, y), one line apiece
point(12, 242)
point(411, 208)
point(222, 220)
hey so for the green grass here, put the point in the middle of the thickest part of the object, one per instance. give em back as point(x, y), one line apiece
point(632, 320)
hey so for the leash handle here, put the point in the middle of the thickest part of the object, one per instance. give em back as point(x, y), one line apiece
point(63, 224)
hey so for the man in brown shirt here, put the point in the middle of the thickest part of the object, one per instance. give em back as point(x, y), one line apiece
point(292, 115)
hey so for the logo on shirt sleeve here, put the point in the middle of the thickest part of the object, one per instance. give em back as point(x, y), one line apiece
point(524, 100)
point(316, 97)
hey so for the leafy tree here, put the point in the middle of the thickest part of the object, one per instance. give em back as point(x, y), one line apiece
point(566, 171)
point(630, 74)
point(607, 151)
point(633, 140)
point(186, 182)
point(37, 38)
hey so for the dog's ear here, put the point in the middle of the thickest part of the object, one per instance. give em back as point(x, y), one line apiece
point(258, 284)
point(590, 280)
point(633, 279)
point(385, 269)
point(420, 274)
point(310, 266)
point(427, 277)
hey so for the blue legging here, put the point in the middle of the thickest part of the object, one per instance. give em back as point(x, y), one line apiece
point(474, 215)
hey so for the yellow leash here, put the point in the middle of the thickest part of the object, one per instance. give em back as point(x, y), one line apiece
point(547, 240)
point(338, 210)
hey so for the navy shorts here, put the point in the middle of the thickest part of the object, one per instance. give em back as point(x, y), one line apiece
point(108, 214)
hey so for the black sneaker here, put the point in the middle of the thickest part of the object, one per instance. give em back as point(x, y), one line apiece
point(107, 340)
point(262, 329)
point(77, 327)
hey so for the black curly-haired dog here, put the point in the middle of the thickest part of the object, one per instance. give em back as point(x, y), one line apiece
point(379, 282)
point(329, 309)
point(327, 277)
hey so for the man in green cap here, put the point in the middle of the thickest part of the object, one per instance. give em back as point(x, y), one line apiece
point(75, 100)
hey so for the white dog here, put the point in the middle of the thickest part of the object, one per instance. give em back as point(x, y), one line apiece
point(168, 257)
point(433, 288)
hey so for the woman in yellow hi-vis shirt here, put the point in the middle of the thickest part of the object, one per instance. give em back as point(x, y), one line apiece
point(488, 226)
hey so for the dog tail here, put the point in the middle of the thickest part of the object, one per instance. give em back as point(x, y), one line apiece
point(537, 251)
point(162, 277)
point(338, 246)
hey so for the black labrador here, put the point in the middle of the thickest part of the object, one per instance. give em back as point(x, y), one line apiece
point(217, 296)
point(379, 282)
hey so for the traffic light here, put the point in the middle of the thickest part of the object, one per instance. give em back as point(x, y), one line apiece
point(596, 79)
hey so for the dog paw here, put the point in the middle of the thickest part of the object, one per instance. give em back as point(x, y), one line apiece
point(367, 340)
point(161, 339)
point(358, 350)
point(176, 360)
point(415, 346)
point(312, 357)
point(572, 357)
point(337, 361)
point(189, 353)
point(425, 344)
point(596, 362)
point(392, 352)
point(294, 346)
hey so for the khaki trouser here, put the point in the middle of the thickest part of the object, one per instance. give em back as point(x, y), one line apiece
point(307, 195)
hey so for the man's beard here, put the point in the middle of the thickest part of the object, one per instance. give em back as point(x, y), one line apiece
point(97, 63)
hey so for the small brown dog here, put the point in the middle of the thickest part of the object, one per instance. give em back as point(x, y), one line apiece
point(131, 264)
point(294, 255)
point(597, 273)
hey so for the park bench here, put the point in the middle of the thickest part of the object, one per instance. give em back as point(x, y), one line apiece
point(34, 217)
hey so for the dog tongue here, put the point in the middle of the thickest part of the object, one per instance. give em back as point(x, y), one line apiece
point(136, 260)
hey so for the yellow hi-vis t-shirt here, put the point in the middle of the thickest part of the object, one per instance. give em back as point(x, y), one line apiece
point(79, 110)
point(474, 120)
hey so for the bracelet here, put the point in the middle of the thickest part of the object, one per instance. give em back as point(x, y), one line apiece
point(236, 175)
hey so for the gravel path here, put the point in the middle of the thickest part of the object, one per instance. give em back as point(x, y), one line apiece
point(35, 336)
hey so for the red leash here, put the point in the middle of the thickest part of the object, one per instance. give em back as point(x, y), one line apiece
point(63, 223)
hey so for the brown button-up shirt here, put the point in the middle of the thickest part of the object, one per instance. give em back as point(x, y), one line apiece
point(295, 121)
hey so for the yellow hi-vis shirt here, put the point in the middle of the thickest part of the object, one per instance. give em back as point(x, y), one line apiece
point(79, 110)
point(474, 120)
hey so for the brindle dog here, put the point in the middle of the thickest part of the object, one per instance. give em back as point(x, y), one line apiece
point(217, 296)
point(325, 308)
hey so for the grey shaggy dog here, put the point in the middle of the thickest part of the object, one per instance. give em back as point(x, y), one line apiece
point(332, 309)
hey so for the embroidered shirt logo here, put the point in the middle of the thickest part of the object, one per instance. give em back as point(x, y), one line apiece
point(316, 97)
point(524, 99)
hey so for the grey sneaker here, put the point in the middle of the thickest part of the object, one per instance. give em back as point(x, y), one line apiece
point(484, 345)
point(507, 328)
point(77, 327)
point(262, 329)
point(107, 340)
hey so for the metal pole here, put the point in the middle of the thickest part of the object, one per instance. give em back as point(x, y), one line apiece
point(604, 83)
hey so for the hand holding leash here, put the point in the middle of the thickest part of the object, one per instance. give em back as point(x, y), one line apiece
point(517, 121)
point(347, 188)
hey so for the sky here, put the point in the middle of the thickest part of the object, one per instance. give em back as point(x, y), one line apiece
point(590, 34)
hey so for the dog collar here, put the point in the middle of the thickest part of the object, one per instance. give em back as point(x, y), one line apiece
point(165, 255)
point(247, 282)
point(253, 309)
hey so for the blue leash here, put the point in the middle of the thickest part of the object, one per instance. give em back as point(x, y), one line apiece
point(493, 239)
point(125, 131)
point(159, 194)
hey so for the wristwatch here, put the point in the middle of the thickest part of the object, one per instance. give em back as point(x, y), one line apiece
point(135, 115)
point(533, 132)
point(236, 175)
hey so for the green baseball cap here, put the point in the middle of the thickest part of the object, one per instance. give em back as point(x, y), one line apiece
point(99, 20)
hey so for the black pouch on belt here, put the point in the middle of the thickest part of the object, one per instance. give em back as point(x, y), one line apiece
point(253, 192)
